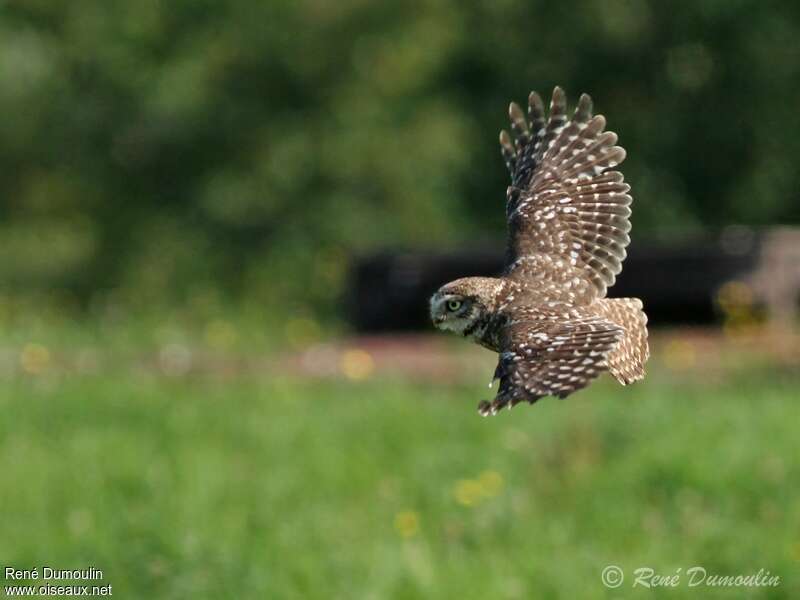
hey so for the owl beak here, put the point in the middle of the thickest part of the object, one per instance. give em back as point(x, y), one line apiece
point(437, 316)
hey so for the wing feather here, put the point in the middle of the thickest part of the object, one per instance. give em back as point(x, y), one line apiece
point(565, 201)
point(546, 358)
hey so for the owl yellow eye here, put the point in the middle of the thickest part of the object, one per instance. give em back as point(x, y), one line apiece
point(453, 305)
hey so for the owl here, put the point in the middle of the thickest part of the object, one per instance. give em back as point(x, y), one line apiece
point(567, 212)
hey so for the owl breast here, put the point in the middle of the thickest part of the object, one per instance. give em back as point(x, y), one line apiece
point(486, 331)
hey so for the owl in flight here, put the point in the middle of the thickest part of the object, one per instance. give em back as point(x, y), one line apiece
point(547, 315)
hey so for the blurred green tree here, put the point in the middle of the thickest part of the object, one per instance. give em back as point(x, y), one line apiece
point(158, 149)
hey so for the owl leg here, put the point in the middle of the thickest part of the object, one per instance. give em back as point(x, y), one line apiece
point(507, 395)
point(498, 373)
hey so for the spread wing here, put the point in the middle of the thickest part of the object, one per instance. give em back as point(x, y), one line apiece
point(547, 358)
point(567, 212)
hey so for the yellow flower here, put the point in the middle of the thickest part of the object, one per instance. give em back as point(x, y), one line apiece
point(406, 523)
point(34, 358)
point(467, 492)
point(491, 483)
point(357, 364)
point(735, 296)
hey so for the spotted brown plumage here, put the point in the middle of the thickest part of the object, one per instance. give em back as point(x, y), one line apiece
point(568, 222)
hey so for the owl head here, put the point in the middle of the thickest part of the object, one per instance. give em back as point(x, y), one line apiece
point(461, 304)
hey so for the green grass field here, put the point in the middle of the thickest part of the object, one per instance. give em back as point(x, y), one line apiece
point(257, 486)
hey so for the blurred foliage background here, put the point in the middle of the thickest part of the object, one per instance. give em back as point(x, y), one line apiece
point(157, 153)
point(182, 186)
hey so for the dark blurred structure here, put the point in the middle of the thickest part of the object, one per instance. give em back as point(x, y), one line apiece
point(703, 279)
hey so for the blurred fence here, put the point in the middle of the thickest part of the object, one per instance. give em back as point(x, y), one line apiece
point(740, 276)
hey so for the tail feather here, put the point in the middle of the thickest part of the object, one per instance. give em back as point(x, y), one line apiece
point(627, 359)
